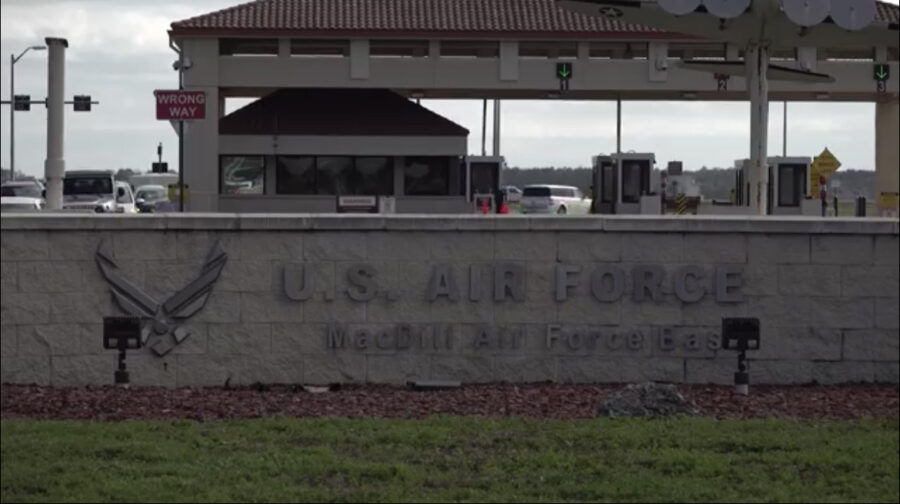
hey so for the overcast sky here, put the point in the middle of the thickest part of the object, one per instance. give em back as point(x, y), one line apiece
point(118, 53)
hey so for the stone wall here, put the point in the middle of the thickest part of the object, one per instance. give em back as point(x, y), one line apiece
point(320, 299)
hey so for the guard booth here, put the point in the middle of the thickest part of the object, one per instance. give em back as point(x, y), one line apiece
point(623, 184)
point(482, 175)
point(788, 190)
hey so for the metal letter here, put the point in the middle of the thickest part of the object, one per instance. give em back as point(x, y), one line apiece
point(615, 290)
point(337, 335)
point(362, 276)
point(729, 276)
point(684, 293)
point(648, 278)
point(362, 339)
point(666, 339)
point(713, 342)
point(483, 337)
point(404, 335)
point(551, 336)
point(442, 283)
point(574, 340)
point(509, 279)
point(294, 291)
point(383, 339)
point(615, 341)
point(635, 340)
point(566, 276)
point(693, 342)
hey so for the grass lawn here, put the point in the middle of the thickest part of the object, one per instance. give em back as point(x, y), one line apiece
point(450, 459)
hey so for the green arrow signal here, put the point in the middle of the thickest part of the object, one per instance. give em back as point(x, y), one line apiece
point(881, 73)
point(565, 72)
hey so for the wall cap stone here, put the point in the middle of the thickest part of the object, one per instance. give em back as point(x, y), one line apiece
point(450, 222)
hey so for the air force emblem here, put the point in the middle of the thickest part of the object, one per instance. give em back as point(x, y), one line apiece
point(161, 330)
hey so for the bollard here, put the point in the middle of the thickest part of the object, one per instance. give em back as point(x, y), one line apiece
point(835, 206)
point(861, 206)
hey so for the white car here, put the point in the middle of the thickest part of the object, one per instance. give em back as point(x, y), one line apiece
point(512, 194)
point(554, 199)
point(20, 204)
point(22, 195)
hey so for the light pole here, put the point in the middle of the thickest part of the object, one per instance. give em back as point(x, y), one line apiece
point(12, 106)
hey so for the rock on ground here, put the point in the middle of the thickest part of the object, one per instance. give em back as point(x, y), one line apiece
point(645, 400)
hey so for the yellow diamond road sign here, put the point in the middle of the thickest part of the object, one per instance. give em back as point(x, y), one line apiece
point(823, 165)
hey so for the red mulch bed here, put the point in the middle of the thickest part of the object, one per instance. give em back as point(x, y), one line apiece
point(535, 401)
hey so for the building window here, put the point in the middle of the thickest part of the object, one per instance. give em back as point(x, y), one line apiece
point(320, 48)
point(426, 176)
point(295, 175)
point(608, 183)
point(374, 176)
point(547, 49)
point(470, 49)
point(790, 183)
point(398, 48)
point(243, 174)
point(248, 47)
point(334, 175)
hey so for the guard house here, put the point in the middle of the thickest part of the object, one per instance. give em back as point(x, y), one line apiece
point(625, 183)
point(345, 63)
point(789, 191)
point(296, 150)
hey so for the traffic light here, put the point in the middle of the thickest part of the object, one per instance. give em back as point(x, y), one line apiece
point(82, 103)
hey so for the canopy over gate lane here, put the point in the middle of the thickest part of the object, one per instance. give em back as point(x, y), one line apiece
point(496, 49)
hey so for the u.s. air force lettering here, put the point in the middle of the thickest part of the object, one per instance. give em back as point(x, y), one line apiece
point(501, 282)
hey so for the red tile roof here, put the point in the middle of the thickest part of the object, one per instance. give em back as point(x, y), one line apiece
point(539, 18)
point(407, 17)
point(313, 111)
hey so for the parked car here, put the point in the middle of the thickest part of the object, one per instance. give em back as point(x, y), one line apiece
point(146, 197)
point(20, 204)
point(98, 191)
point(554, 199)
point(512, 194)
point(29, 193)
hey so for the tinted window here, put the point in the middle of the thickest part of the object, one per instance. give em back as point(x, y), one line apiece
point(537, 192)
point(243, 174)
point(635, 180)
point(374, 176)
point(25, 191)
point(295, 175)
point(608, 184)
point(426, 176)
point(790, 183)
point(334, 175)
point(84, 185)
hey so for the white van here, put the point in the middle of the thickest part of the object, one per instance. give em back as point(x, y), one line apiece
point(554, 199)
point(98, 191)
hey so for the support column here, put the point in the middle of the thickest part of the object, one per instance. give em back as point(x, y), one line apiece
point(757, 81)
point(201, 138)
point(887, 150)
point(619, 125)
point(496, 128)
point(55, 164)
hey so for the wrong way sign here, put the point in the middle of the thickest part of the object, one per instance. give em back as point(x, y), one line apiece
point(180, 105)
